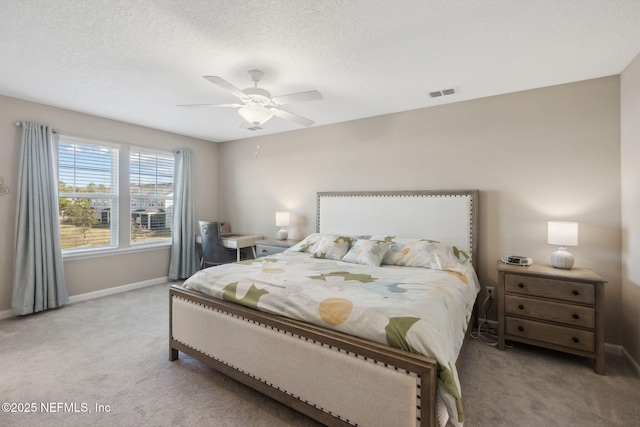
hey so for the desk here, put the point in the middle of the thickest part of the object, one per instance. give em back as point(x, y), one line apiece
point(238, 241)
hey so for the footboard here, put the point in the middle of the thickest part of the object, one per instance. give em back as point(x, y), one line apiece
point(332, 377)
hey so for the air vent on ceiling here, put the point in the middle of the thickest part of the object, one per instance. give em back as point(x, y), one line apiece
point(443, 92)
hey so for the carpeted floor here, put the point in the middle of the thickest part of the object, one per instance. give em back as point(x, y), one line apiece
point(105, 362)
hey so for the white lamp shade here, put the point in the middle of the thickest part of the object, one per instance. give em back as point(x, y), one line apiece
point(282, 219)
point(562, 233)
point(255, 114)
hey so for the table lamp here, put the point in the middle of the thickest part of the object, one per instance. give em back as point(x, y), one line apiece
point(562, 233)
point(282, 220)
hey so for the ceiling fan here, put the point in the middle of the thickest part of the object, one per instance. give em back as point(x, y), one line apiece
point(258, 106)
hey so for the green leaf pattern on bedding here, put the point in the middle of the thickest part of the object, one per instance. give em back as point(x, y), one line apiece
point(397, 329)
point(362, 278)
point(416, 309)
point(333, 247)
point(460, 254)
point(448, 381)
point(249, 300)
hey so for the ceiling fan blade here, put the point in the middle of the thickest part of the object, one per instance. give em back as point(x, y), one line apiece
point(212, 105)
point(293, 117)
point(228, 87)
point(312, 95)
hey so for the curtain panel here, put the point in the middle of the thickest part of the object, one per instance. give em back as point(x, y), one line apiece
point(38, 279)
point(184, 259)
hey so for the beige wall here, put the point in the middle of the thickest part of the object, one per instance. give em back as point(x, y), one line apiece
point(630, 159)
point(93, 274)
point(539, 155)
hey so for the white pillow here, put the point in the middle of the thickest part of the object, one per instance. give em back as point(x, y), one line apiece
point(308, 244)
point(414, 252)
point(367, 252)
point(333, 247)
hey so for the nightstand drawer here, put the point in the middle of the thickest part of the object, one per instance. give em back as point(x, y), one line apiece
point(567, 337)
point(266, 250)
point(573, 315)
point(550, 288)
point(272, 246)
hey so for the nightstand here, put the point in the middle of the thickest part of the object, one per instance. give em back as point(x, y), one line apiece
point(548, 307)
point(273, 246)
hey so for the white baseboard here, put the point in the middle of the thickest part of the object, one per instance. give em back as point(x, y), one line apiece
point(103, 293)
point(621, 351)
point(634, 363)
point(117, 289)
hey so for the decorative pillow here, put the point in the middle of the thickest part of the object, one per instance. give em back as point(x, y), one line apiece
point(367, 252)
point(396, 253)
point(413, 252)
point(333, 247)
point(309, 244)
point(461, 255)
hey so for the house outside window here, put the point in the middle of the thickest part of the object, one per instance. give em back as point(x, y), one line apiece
point(151, 190)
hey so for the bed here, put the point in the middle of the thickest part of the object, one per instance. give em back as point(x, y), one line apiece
point(266, 323)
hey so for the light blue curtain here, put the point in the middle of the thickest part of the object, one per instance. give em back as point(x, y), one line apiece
point(184, 258)
point(38, 275)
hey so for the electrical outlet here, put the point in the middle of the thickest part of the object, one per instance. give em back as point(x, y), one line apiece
point(490, 291)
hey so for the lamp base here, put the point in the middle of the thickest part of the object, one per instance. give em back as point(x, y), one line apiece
point(283, 234)
point(562, 259)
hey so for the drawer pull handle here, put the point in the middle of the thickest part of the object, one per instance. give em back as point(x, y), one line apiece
point(575, 292)
point(576, 339)
point(575, 316)
point(521, 307)
point(521, 328)
point(521, 285)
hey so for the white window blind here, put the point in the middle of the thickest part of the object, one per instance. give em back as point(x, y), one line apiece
point(88, 194)
point(151, 190)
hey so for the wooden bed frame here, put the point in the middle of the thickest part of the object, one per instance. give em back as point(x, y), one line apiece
point(320, 372)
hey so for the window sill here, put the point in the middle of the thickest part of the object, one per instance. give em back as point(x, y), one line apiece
point(99, 253)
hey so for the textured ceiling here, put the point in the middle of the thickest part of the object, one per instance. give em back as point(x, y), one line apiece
point(136, 60)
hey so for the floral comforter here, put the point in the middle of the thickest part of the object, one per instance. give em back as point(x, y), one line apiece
point(420, 310)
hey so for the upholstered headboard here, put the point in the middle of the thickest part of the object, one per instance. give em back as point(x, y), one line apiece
point(446, 216)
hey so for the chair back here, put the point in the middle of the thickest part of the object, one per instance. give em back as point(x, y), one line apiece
point(213, 251)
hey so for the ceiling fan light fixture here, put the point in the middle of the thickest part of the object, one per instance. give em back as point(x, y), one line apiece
point(255, 114)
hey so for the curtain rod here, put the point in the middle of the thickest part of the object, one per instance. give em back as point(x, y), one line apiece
point(20, 124)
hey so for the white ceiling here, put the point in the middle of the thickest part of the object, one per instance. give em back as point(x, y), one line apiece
point(136, 60)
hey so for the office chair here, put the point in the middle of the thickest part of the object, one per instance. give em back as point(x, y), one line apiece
point(212, 251)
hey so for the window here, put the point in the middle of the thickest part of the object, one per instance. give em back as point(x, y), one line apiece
point(93, 212)
point(151, 190)
point(88, 194)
